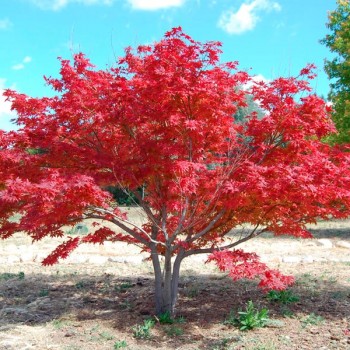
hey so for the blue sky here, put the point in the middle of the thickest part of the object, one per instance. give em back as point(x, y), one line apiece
point(271, 38)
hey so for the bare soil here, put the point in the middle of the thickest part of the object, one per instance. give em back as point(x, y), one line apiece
point(96, 298)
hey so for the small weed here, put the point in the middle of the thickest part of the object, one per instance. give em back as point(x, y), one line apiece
point(286, 312)
point(106, 336)
point(305, 278)
point(143, 331)
point(72, 347)
point(180, 319)
point(123, 287)
point(337, 295)
point(43, 293)
point(312, 319)
point(165, 318)
point(126, 305)
point(249, 319)
point(223, 344)
point(174, 331)
point(7, 276)
point(193, 292)
point(80, 285)
point(331, 279)
point(59, 324)
point(94, 328)
point(121, 344)
point(259, 345)
point(264, 347)
point(328, 277)
point(283, 296)
point(285, 339)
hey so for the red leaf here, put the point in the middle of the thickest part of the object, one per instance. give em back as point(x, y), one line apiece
point(62, 251)
point(240, 265)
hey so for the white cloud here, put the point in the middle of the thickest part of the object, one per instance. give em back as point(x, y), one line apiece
point(18, 66)
point(27, 59)
point(5, 110)
point(56, 5)
point(5, 23)
point(152, 5)
point(247, 16)
point(259, 77)
point(21, 65)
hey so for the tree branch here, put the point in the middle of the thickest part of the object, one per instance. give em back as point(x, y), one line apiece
point(120, 223)
point(228, 246)
point(208, 228)
point(181, 222)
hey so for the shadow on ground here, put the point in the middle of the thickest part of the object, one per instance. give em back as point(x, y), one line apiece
point(37, 299)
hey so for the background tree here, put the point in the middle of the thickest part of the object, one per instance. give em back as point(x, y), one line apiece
point(338, 69)
point(162, 120)
point(248, 110)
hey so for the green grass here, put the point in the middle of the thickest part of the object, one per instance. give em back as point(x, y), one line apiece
point(106, 335)
point(283, 296)
point(5, 276)
point(173, 330)
point(81, 285)
point(43, 293)
point(59, 324)
point(165, 318)
point(225, 343)
point(126, 305)
point(123, 287)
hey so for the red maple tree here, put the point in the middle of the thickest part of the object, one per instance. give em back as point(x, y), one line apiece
point(162, 120)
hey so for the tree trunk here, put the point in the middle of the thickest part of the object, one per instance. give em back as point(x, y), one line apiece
point(166, 282)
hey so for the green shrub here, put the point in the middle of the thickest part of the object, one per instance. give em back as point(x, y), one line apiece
point(249, 319)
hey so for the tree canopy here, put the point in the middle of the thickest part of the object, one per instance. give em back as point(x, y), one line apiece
point(338, 68)
point(163, 120)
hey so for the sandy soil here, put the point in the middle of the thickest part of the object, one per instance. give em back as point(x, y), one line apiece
point(96, 298)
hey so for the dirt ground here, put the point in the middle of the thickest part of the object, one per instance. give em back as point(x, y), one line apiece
point(100, 296)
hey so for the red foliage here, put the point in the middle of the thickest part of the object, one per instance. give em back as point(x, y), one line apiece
point(239, 265)
point(162, 120)
point(62, 251)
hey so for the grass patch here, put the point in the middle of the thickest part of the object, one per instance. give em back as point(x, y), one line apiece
point(5, 276)
point(121, 344)
point(283, 296)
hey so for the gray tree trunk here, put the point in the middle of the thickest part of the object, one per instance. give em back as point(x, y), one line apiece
point(166, 282)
